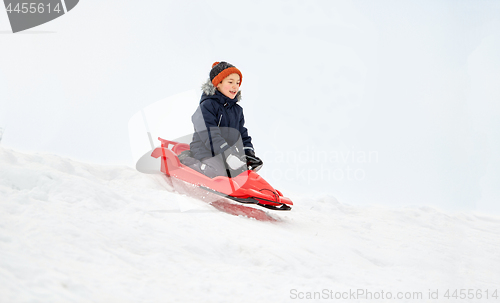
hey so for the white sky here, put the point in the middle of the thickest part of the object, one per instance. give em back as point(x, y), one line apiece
point(415, 82)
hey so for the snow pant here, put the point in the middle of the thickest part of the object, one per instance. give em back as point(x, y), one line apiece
point(210, 167)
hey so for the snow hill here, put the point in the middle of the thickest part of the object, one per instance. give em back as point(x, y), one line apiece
point(79, 232)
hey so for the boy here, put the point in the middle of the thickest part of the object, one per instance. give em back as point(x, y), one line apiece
point(219, 126)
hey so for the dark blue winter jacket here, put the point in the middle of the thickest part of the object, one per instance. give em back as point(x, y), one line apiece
point(218, 124)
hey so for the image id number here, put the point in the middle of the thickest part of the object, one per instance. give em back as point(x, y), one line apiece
point(470, 294)
point(33, 8)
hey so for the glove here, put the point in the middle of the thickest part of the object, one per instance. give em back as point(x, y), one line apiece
point(233, 158)
point(253, 162)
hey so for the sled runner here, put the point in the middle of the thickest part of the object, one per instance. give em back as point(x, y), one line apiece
point(247, 187)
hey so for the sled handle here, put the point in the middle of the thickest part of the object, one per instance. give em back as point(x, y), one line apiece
point(166, 143)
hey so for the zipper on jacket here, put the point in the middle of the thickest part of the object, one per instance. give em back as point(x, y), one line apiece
point(219, 120)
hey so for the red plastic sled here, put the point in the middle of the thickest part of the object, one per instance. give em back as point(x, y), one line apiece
point(247, 187)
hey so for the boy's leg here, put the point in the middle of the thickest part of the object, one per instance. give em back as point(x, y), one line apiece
point(214, 167)
point(210, 167)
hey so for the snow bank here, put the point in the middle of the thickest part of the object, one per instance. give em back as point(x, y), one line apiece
point(77, 232)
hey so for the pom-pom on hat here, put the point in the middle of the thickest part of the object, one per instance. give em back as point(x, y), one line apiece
point(220, 70)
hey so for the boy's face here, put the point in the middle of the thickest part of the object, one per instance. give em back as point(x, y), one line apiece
point(230, 85)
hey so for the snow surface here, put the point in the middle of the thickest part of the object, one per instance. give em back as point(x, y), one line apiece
point(80, 232)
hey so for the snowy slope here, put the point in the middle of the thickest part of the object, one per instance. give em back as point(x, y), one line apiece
point(77, 232)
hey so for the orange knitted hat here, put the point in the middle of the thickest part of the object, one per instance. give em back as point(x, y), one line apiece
point(220, 70)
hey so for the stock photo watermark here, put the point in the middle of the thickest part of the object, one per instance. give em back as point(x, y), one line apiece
point(312, 165)
point(366, 294)
point(28, 14)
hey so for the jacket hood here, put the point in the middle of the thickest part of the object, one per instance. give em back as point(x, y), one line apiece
point(209, 89)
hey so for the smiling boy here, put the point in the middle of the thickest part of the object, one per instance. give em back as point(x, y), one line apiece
point(219, 125)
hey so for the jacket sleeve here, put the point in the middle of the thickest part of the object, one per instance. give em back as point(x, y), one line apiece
point(205, 123)
point(247, 140)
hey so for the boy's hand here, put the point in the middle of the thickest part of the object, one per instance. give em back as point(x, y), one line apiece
point(233, 158)
point(253, 162)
